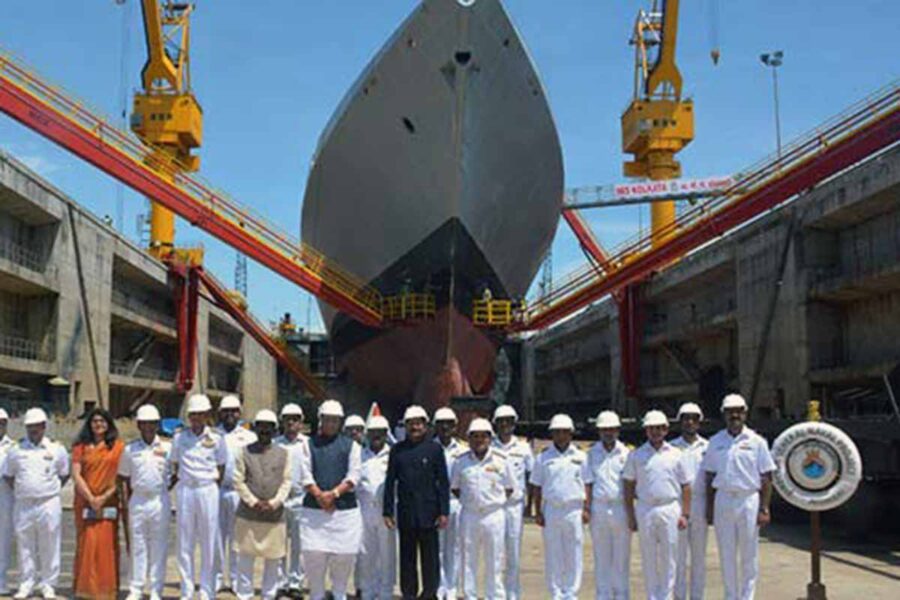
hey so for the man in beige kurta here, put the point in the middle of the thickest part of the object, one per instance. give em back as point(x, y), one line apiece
point(262, 479)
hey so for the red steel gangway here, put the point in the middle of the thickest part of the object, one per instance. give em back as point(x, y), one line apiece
point(53, 113)
point(867, 127)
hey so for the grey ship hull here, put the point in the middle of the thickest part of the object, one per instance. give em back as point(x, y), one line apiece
point(441, 169)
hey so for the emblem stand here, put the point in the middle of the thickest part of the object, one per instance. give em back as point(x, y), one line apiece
point(815, 589)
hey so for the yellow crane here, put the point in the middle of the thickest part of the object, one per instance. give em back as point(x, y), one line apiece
point(166, 113)
point(658, 123)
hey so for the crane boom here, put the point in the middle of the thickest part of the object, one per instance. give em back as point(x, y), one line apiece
point(665, 73)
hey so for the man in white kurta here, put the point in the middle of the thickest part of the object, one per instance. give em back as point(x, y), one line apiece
point(692, 541)
point(655, 475)
point(198, 459)
point(378, 556)
point(331, 520)
point(739, 470)
point(6, 506)
point(483, 480)
point(37, 468)
point(518, 453)
point(237, 436)
point(297, 444)
point(262, 479)
point(144, 468)
point(562, 491)
point(609, 524)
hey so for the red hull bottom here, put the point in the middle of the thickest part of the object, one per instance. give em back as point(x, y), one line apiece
point(426, 363)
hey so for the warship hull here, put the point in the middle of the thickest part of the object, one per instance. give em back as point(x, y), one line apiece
point(440, 172)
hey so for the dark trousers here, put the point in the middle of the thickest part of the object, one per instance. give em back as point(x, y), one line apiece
point(425, 543)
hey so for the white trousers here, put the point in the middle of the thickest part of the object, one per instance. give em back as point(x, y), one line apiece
point(563, 547)
point(198, 523)
point(612, 550)
point(483, 534)
point(148, 526)
point(377, 564)
point(448, 551)
point(6, 531)
point(692, 541)
point(226, 559)
point(658, 535)
point(514, 523)
point(738, 537)
point(243, 568)
point(38, 537)
point(338, 566)
point(292, 575)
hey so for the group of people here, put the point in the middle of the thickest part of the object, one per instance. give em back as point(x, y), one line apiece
point(340, 501)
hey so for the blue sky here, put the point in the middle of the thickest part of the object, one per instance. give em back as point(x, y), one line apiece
point(269, 74)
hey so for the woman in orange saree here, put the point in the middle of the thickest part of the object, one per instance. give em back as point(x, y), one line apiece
point(95, 463)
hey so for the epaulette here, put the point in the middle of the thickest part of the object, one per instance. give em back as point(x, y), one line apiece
point(630, 447)
point(501, 453)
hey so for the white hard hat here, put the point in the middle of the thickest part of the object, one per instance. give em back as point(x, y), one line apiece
point(4, 415)
point(562, 422)
point(148, 412)
point(445, 414)
point(198, 403)
point(35, 416)
point(354, 421)
point(505, 411)
point(230, 402)
point(689, 408)
point(266, 416)
point(331, 408)
point(480, 426)
point(733, 401)
point(608, 419)
point(654, 418)
point(291, 409)
point(414, 412)
point(378, 422)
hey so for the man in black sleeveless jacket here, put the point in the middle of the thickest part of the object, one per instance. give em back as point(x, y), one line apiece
point(417, 485)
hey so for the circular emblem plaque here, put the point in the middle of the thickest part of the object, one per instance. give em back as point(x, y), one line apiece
point(818, 466)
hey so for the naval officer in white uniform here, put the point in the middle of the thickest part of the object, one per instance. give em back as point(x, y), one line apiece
point(483, 480)
point(610, 534)
point(198, 459)
point(378, 555)
point(739, 470)
point(236, 438)
point(6, 506)
point(655, 475)
point(445, 422)
point(562, 493)
point(693, 539)
point(520, 457)
point(37, 468)
point(144, 469)
point(297, 444)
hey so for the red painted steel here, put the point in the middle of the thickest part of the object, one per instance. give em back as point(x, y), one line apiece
point(832, 158)
point(585, 237)
point(89, 146)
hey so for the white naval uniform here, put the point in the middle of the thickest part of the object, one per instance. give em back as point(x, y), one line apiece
point(197, 504)
point(609, 522)
point(6, 514)
point(448, 538)
point(738, 463)
point(693, 539)
point(378, 556)
point(292, 576)
point(660, 475)
point(149, 510)
point(37, 471)
point(562, 477)
point(520, 457)
point(235, 440)
point(483, 485)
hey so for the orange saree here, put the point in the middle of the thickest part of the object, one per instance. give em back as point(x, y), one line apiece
point(96, 570)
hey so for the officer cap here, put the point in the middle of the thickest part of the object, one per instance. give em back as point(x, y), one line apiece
point(331, 408)
point(654, 418)
point(354, 421)
point(445, 414)
point(198, 403)
point(230, 402)
point(290, 410)
point(480, 426)
point(608, 420)
point(378, 422)
point(561, 421)
point(148, 412)
point(414, 412)
point(35, 416)
point(505, 411)
point(689, 408)
point(266, 416)
point(733, 401)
